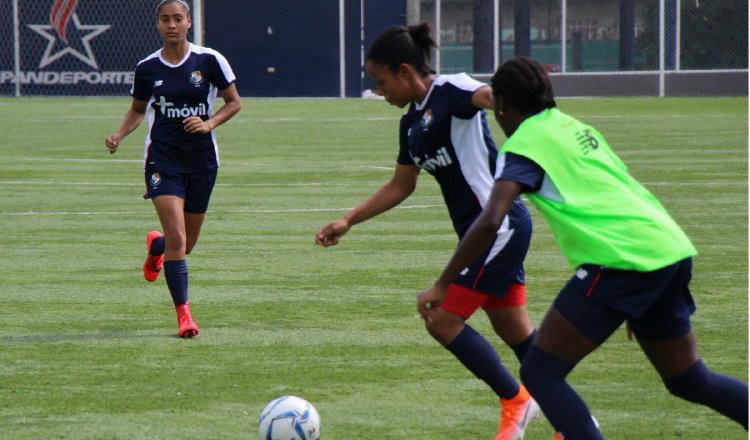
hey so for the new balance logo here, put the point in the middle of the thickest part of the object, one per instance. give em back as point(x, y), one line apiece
point(581, 274)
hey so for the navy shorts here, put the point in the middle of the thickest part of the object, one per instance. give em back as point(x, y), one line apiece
point(657, 304)
point(500, 266)
point(195, 188)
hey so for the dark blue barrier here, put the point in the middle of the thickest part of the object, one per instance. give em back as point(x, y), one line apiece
point(293, 48)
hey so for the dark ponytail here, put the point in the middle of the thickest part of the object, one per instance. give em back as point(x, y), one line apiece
point(524, 84)
point(400, 44)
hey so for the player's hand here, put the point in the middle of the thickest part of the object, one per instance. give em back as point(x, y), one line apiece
point(113, 142)
point(429, 299)
point(330, 234)
point(195, 124)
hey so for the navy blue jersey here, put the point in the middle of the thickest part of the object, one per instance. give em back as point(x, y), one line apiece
point(175, 92)
point(449, 138)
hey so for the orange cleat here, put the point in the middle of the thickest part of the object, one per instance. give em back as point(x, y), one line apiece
point(516, 414)
point(188, 327)
point(153, 264)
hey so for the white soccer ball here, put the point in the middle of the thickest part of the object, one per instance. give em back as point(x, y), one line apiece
point(289, 418)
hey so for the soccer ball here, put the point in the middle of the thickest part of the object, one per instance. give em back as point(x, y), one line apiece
point(289, 418)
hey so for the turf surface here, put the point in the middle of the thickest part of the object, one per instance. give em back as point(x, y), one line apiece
point(89, 349)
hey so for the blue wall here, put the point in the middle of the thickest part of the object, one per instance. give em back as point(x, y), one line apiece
point(293, 50)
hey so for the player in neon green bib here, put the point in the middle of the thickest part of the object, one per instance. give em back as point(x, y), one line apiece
point(621, 223)
point(632, 261)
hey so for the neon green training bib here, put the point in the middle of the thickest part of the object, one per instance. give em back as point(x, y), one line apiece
point(598, 213)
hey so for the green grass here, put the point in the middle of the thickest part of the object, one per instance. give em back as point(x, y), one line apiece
point(88, 348)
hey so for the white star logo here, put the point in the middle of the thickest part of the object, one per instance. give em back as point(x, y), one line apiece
point(48, 32)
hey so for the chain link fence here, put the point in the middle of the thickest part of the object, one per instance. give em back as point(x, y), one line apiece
point(316, 47)
point(648, 46)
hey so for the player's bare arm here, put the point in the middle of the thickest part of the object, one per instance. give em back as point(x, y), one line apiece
point(402, 184)
point(130, 122)
point(482, 98)
point(232, 105)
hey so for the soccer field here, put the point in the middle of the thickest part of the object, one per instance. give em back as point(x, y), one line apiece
point(88, 348)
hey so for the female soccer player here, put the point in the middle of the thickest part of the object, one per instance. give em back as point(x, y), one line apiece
point(632, 261)
point(176, 87)
point(445, 132)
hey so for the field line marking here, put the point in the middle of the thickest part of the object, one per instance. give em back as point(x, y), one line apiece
point(239, 211)
point(728, 181)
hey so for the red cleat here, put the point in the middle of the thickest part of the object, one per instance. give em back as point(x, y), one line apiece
point(188, 327)
point(153, 264)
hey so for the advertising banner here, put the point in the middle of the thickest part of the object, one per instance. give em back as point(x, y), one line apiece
point(74, 47)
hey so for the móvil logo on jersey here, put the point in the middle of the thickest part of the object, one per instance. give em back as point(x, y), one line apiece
point(58, 46)
point(170, 110)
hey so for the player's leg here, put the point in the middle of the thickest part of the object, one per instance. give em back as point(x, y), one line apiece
point(171, 215)
point(686, 376)
point(510, 320)
point(665, 334)
point(575, 325)
point(198, 194)
point(557, 349)
point(511, 323)
point(448, 327)
point(193, 224)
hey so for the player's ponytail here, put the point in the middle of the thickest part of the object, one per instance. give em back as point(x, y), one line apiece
point(524, 84)
point(400, 44)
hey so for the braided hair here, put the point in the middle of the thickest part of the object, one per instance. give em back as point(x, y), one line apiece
point(524, 84)
point(401, 44)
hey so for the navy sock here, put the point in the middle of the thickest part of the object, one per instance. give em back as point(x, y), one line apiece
point(480, 357)
point(544, 376)
point(157, 246)
point(522, 347)
point(176, 274)
point(721, 393)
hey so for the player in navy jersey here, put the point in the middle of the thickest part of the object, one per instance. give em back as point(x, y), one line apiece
point(175, 87)
point(444, 131)
point(632, 261)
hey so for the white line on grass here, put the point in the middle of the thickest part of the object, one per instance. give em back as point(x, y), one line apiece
point(240, 211)
point(224, 164)
point(738, 182)
point(70, 159)
point(227, 185)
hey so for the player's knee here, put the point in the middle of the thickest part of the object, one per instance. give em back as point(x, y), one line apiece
point(540, 367)
point(176, 243)
point(690, 384)
point(444, 330)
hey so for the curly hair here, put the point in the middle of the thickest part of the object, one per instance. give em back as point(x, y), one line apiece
point(524, 84)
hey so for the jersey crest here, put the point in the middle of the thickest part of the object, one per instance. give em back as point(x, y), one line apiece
point(426, 119)
point(196, 77)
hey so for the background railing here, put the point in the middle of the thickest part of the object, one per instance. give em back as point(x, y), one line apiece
point(316, 47)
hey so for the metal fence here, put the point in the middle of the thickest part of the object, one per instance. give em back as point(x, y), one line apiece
point(592, 47)
point(316, 47)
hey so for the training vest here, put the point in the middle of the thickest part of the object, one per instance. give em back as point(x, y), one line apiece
point(598, 213)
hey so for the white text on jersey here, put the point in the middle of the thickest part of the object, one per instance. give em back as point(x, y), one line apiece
point(167, 108)
point(442, 159)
